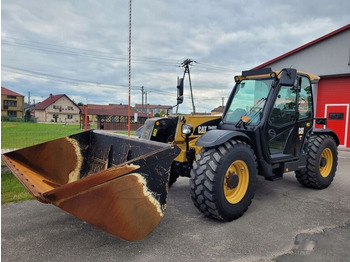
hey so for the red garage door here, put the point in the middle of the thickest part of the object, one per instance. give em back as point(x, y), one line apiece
point(333, 102)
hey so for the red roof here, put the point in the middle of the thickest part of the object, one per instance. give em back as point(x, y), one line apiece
point(148, 106)
point(304, 46)
point(95, 106)
point(8, 92)
point(50, 100)
point(218, 109)
point(110, 110)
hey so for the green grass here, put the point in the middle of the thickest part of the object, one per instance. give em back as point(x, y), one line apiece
point(22, 134)
point(12, 190)
point(132, 133)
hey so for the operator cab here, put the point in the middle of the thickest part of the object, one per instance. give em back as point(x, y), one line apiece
point(274, 109)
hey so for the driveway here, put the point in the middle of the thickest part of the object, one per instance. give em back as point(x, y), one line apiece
point(286, 222)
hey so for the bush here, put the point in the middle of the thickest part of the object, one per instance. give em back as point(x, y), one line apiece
point(11, 119)
point(27, 116)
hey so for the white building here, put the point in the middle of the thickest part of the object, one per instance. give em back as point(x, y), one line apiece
point(57, 108)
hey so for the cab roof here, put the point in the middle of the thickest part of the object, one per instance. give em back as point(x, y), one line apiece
point(266, 73)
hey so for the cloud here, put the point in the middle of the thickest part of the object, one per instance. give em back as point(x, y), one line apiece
point(80, 48)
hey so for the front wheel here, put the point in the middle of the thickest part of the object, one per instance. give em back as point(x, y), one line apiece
point(321, 163)
point(223, 180)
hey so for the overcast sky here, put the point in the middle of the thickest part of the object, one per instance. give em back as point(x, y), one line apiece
point(80, 47)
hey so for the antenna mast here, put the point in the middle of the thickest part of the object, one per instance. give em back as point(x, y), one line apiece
point(129, 105)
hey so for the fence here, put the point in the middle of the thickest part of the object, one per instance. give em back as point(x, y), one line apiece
point(118, 126)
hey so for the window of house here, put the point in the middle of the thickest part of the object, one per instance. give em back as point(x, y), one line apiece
point(70, 116)
point(336, 116)
point(12, 103)
point(12, 113)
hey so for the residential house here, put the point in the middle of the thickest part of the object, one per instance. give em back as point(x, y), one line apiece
point(57, 108)
point(152, 110)
point(113, 116)
point(12, 104)
point(217, 111)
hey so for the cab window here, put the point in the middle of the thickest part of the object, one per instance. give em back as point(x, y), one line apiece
point(284, 109)
point(305, 99)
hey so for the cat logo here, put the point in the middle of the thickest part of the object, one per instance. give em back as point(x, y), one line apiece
point(202, 129)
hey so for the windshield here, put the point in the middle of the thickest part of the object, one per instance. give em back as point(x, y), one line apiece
point(248, 100)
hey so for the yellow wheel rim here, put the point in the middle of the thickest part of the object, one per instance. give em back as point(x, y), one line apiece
point(236, 181)
point(326, 162)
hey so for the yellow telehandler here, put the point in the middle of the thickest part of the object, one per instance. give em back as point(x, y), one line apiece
point(120, 184)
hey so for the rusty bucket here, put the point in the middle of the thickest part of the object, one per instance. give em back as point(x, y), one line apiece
point(115, 182)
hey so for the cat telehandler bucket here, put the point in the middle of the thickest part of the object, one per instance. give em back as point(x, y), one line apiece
point(114, 182)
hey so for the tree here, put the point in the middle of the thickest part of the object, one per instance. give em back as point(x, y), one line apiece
point(27, 116)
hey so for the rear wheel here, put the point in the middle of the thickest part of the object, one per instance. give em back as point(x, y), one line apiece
point(321, 163)
point(223, 180)
point(174, 175)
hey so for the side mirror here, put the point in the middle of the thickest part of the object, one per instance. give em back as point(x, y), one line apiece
point(288, 77)
point(180, 91)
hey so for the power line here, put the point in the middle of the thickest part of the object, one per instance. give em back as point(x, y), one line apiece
point(57, 49)
point(109, 56)
point(58, 78)
point(46, 76)
point(214, 67)
point(30, 43)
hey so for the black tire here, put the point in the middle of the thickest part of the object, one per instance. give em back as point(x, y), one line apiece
point(223, 180)
point(174, 175)
point(321, 164)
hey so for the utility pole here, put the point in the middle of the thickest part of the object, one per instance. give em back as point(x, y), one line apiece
point(177, 84)
point(142, 88)
point(186, 65)
point(29, 98)
point(129, 106)
point(223, 101)
point(146, 92)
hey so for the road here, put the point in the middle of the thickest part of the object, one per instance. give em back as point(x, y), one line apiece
point(286, 222)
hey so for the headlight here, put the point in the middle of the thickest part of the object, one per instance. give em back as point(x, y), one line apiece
point(187, 129)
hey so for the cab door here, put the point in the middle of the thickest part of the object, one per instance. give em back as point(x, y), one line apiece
point(281, 124)
point(289, 120)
